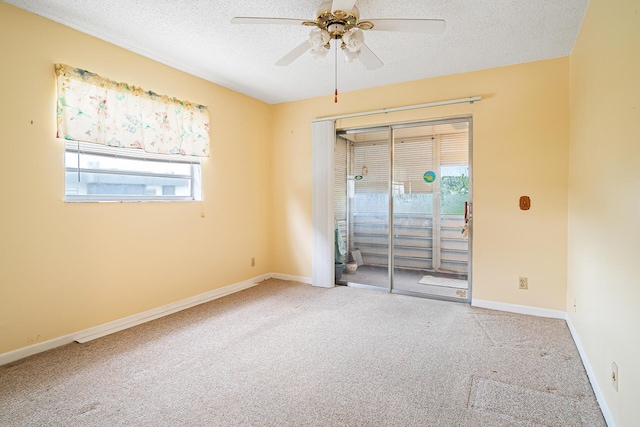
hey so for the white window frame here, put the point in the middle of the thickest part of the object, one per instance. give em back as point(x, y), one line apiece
point(80, 148)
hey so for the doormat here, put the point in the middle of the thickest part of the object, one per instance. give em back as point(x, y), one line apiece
point(444, 281)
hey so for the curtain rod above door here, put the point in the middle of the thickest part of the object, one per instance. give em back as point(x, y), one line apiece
point(470, 100)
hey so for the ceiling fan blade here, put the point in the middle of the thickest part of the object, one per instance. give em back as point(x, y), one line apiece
point(431, 26)
point(249, 20)
point(294, 54)
point(368, 58)
point(343, 5)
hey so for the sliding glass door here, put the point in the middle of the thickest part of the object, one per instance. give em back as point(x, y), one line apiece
point(406, 198)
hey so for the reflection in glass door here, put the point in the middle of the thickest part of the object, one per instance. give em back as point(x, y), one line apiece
point(418, 175)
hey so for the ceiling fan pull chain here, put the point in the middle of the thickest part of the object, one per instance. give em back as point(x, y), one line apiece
point(335, 98)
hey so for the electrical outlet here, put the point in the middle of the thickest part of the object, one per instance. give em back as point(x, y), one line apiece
point(523, 283)
point(614, 375)
point(253, 262)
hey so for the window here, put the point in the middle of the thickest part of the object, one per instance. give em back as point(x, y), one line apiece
point(124, 143)
point(96, 173)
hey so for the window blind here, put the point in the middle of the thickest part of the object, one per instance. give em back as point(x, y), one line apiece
point(340, 184)
point(454, 149)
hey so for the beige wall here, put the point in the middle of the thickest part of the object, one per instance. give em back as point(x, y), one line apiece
point(520, 147)
point(604, 199)
point(66, 267)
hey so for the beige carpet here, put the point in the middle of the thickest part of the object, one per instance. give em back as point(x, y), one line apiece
point(286, 354)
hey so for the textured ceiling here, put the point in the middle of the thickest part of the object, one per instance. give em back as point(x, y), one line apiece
point(196, 36)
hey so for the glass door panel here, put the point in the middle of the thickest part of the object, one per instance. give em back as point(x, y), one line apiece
point(431, 181)
point(367, 231)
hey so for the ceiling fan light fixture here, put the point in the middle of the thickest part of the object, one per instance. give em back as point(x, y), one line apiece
point(318, 38)
point(319, 53)
point(353, 39)
point(350, 56)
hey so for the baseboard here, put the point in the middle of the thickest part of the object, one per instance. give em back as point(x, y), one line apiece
point(520, 309)
point(130, 321)
point(165, 310)
point(300, 279)
point(40, 347)
point(591, 374)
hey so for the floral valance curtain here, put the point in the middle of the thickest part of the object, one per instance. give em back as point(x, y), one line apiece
point(96, 109)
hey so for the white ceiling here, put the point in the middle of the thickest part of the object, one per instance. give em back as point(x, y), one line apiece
point(196, 36)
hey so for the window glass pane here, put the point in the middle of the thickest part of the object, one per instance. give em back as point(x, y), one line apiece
point(96, 161)
point(115, 177)
point(454, 189)
point(106, 183)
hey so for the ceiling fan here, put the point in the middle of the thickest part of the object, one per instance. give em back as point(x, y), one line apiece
point(340, 20)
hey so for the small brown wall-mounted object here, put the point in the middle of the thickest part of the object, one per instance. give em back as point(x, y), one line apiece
point(525, 203)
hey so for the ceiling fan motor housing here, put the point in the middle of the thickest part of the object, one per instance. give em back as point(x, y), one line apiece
point(324, 10)
point(336, 30)
point(336, 22)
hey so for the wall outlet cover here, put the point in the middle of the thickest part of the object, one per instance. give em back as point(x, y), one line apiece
point(523, 283)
